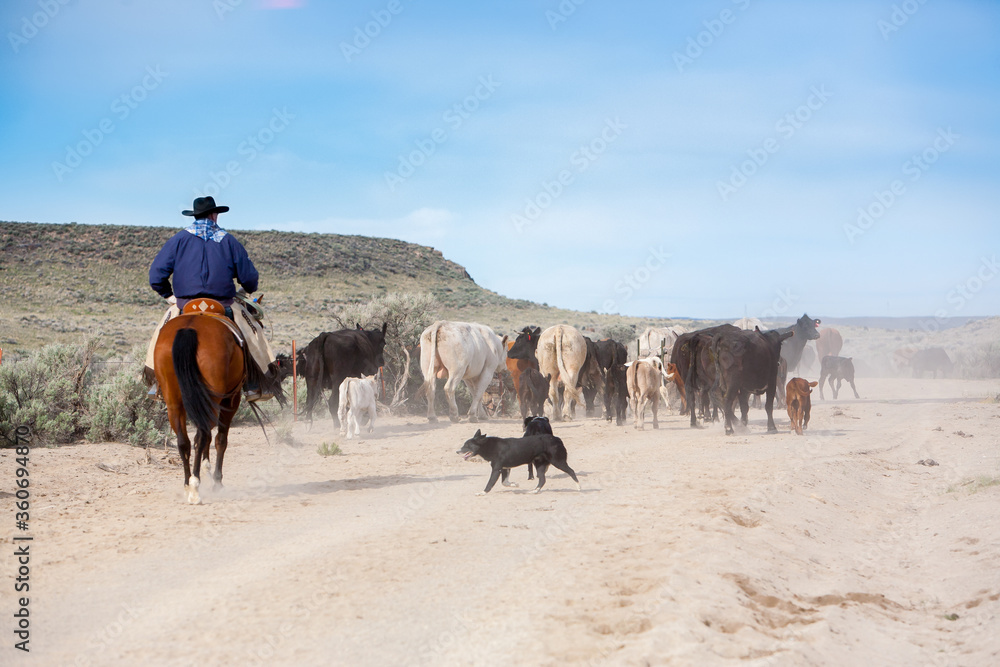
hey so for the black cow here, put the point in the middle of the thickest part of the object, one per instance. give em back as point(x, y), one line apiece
point(525, 345)
point(532, 392)
point(284, 364)
point(335, 355)
point(805, 329)
point(839, 369)
point(610, 352)
point(692, 356)
point(932, 359)
point(591, 378)
point(616, 393)
point(746, 362)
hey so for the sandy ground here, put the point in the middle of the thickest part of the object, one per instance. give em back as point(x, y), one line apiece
point(685, 547)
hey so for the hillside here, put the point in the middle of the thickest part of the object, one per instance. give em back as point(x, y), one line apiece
point(59, 283)
point(63, 283)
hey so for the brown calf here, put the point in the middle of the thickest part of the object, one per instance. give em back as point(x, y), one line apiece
point(798, 403)
point(518, 366)
point(679, 381)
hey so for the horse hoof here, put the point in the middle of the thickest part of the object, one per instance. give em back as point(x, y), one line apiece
point(454, 419)
point(432, 420)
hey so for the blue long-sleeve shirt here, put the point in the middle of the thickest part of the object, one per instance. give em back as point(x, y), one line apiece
point(202, 267)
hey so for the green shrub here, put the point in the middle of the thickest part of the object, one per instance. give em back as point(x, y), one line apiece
point(328, 449)
point(44, 391)
point(623, 333)
point(117, 409)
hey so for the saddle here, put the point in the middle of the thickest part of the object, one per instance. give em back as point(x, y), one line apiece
point(212, 308)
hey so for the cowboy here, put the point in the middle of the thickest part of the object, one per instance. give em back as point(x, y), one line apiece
point(204, 260)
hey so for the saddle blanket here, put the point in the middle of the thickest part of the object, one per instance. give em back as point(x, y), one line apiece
point(252, 330)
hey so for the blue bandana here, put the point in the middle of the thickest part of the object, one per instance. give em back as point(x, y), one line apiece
point(207, 230)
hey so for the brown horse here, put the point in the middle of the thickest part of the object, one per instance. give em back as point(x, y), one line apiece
point(200, 368)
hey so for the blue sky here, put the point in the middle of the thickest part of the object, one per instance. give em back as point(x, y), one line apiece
point(703, 159)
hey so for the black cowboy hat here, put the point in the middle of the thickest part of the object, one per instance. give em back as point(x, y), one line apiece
point(203, 206)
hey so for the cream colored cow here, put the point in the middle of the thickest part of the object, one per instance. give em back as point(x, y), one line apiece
point(644, 379)
point(460, 351)
point(561, 353)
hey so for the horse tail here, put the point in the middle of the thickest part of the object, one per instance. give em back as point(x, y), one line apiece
point(199, 403)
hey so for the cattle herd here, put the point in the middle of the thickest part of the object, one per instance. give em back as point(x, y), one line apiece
point(558, 371)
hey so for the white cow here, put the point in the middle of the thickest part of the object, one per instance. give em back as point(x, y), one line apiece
point(646, 379)
point(655, 339)
point(357, 397)
point(462, 352)
point(749, 323)
point(561, 353)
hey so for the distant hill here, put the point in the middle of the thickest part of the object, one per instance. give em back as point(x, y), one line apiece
point(59, 283)
point(890, 323)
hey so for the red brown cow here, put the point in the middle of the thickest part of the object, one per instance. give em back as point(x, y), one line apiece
point(829, 343)
point(797, 401)
point(679, 381)
point(518, 366)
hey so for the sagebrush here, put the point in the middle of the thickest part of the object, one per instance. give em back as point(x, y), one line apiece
point(65, 393)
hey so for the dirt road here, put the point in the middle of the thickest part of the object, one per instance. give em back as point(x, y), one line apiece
point(685, 547)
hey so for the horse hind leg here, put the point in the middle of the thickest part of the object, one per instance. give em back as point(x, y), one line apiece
point(221, 442)
point(202, 441)
point(184, 449)
point(222, 438)
point(179, 424)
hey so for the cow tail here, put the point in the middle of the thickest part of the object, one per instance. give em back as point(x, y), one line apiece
point(345, 396)
point(430, 375)
point(560, 363)
point(315, 370)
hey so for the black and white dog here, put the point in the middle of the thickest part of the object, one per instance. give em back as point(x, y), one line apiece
point(505, 453)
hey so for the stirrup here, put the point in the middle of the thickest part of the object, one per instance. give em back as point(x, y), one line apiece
point(254, 395)
point(154, 392)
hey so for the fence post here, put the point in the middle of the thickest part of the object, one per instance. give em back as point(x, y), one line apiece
point(295, 386)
